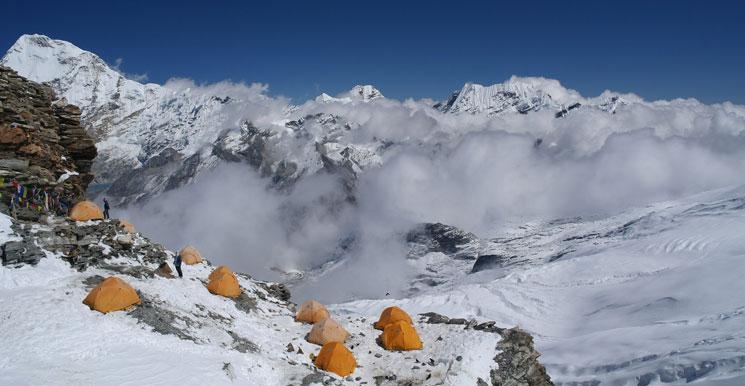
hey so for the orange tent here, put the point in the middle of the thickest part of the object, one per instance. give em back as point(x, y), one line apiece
point(400, 336)
point(219, 271)
point(86, 210)
point(127, 226)
point(190, 255)
point(311, 312)
point(113, 294)
point(390, 315)
point(336, 358)
point(224, 284)
point(327, 330)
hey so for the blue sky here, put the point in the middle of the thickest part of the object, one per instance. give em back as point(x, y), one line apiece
point(410, 49)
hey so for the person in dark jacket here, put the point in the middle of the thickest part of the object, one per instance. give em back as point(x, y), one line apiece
point(106, 209)
point(177, 264)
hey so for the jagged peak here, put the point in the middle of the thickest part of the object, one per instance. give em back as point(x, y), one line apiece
point(364, 93)
point(43, 59)
point(516, 93)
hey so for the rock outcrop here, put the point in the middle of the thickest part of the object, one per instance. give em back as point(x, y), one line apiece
point(42, 143)
point(518, 361)
point(437, 237)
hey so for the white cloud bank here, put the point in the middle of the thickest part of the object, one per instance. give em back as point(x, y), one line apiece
point(474, 172)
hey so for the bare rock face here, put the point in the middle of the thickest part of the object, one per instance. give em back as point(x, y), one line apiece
point(518, 362)
point(41, 140)
point(437, 237)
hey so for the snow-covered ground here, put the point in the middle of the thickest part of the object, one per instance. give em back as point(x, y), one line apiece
point(651, 295)
point(49, 337)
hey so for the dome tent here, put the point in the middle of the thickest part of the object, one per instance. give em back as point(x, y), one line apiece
point(85, 211)
point(190, 255)
point(112, 294)
point(311, 312)
point(224, 283)
point(219, 271)
point(400, 336)
point(336, 358)
point(325, 331)
point(391, 315)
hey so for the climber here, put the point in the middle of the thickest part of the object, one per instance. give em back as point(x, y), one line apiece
point(105, 209)
point(14, 205)
point(177, 264)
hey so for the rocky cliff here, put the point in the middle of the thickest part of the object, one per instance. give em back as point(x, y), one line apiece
point(42, 143)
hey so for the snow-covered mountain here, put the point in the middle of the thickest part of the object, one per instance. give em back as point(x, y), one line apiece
point(364, 93)
point(165, 136)
point(132, 122)
point(523, 95)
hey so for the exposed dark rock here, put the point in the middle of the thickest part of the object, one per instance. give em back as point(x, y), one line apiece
point(317, 378)
point(279, 291)
point(165, 171)
point(160, 319)
point(241, 344)
point(92, 281)
point(484, 262)
point(517, 362)
point(245, 303)
point(437, 237)
point(21, 252)
point(490, 326)
point(40, 140)
point(434, 318)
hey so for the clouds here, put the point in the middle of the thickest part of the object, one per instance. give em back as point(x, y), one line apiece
point(117, 66)
point(471, 171)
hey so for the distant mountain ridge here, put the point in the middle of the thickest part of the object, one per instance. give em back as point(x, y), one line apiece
point(163, 136)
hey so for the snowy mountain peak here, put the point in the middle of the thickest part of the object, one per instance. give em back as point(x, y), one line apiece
point(364, 93)
point(520, 94)
point(80, 76)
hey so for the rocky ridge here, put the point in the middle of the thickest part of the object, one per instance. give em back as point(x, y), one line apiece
point(42, 143)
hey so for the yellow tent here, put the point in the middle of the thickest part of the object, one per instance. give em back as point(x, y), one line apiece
point(190, 255)
point(86, 210)
point(224, 284)
point(311, 312)
point(336, 358)
point(127, 226)
point(327, 330)
point(400, 336)
point(112, 294)
point(390, 315)
point(219, 271)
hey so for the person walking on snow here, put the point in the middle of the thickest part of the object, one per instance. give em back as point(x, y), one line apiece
point(177, 264)
point(106, 209)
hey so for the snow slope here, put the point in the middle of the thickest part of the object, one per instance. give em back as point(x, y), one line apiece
point(649, 296)
point(183, 335)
